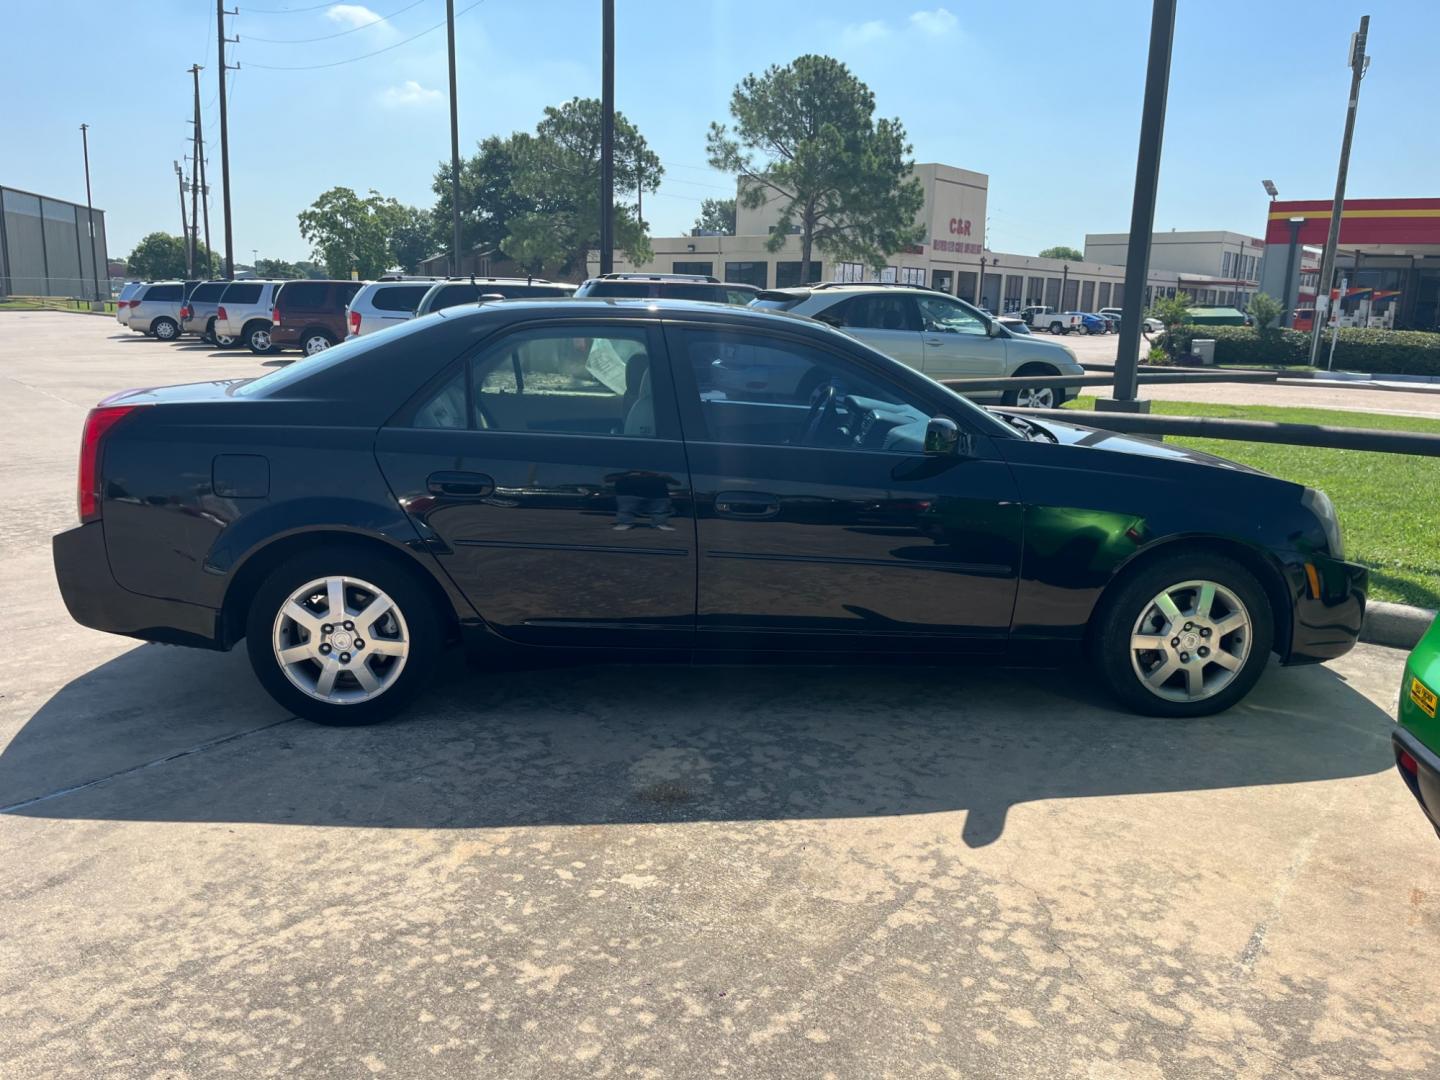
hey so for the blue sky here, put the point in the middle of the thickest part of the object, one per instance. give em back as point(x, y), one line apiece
point(1047, 103)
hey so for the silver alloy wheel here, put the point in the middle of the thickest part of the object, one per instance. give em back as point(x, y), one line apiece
point(260, 340)
point(316, 343)
point(165, 329)
point(1036, 397)
point(340, 640)
point(224, 340)
point(1190, 641)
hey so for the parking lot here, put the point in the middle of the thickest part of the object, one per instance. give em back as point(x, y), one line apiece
point(673, 872)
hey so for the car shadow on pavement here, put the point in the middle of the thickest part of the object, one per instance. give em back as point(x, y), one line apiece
point(164, 734)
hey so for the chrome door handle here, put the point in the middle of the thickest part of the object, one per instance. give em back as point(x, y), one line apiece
point(756, 505)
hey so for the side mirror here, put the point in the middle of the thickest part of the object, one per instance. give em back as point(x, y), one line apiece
point(942, 437)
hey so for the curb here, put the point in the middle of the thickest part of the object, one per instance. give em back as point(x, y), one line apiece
point(1398, 626)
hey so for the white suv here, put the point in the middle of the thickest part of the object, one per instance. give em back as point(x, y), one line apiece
point(384, 303)
point(243, 315)
point(932, 332)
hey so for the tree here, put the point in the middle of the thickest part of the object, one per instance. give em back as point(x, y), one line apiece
point(805, 136)
point(277, 270)
point(1266, 312)
point(488, 199)
point(717, 216)
point(160, 255)
point(1062, 251)
point(350, 233)
point(557, 171)
point(410, 238)
point(1173, 313)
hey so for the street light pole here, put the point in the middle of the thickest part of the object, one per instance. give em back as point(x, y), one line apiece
point(1142, 211)
point(90, 211)
point(607, 136)
point(1358, 63)
point(454, 143)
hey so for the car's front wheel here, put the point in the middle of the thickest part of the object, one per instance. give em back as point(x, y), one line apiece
point(343, 638)
point(1186, 635)
point(1035, 397)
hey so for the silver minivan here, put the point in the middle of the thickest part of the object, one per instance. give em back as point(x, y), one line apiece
point(243, 314)
point(384, 303)
point(122, 302)
point(155, 309)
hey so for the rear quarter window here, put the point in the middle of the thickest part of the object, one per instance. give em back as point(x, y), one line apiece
point(451, 295)
point(305, 294)
point(241, 293)
point(211, 290)
point(619, 288)
point(399, 297)
point(164, 293)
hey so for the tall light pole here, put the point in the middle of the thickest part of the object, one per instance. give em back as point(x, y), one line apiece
point(454, 141)
point(1358, 63)
point(1142, 210)
point(90, 211)
point(607, 137)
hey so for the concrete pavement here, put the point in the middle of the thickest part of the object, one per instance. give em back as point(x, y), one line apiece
point(674, 872)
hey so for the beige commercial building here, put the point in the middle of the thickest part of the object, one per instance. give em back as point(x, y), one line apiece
point(1215, 267)
point(951, 256)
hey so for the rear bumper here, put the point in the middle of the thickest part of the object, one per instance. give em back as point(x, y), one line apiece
point(1327, 625)
point(95, 599)
point(1424, 782)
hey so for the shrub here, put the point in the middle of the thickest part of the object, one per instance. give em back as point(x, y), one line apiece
point(1381, 352)
point(1266, 311)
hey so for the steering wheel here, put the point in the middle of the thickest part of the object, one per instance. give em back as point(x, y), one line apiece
point(822, 413)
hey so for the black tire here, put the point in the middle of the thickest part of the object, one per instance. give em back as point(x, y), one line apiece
point(1127, 599)
point(256, 337)
point(165, 328)
point(1012, 397)
point(309, 340)
point(422, 619)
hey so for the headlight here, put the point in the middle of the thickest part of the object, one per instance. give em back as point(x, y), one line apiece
point(1319, 504)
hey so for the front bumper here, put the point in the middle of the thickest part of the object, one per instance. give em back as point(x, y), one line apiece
point(1424, 782)
point(95, 599)
point(1325, 620)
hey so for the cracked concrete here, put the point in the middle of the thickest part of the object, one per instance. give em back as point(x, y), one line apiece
point(675, 872)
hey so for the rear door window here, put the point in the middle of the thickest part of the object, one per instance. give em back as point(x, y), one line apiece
point(878, 311)
point(451, 295)
point(619, 288)
point(208, 292)
point(164, 293)
point(305, 295)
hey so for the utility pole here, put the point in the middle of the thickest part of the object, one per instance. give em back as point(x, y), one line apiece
point(607, 137)
point(90, 210)
point(1142, 211)
point(454, 141)
point(195, 174)
point(184, 224)
point(221, 39)
point(1358, 63)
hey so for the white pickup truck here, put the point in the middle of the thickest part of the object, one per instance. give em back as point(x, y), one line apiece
point(1047, 318)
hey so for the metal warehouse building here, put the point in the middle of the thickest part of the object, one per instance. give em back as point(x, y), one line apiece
point(46, 248)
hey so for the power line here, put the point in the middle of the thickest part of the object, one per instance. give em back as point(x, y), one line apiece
point(290, 11)
point(338, 33)
point(364, 56)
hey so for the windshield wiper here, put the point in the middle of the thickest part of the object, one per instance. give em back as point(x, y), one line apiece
point(1029, 428)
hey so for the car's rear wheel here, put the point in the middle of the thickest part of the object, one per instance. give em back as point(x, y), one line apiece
point(316, 341)
point(1035, 397)
point(1186, 635)
point(343, 637)
point(165, 328)
point(1056, 328)
point(222, 341)
point(257, 336)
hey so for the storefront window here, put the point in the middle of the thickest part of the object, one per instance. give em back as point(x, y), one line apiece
point(748, 273)
point(789, 274)
point(703, 268)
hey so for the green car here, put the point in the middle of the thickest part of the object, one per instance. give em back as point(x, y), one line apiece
point(1417, 738)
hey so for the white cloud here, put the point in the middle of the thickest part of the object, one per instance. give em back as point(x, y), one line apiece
point(408, 95)
point(351, 15)
point(864, 33)
point(934, 23)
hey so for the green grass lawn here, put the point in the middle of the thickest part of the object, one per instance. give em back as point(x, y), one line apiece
point(49, 303)
point(1383, 500)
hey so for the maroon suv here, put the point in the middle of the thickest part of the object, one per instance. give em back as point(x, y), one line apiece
point(310, 315)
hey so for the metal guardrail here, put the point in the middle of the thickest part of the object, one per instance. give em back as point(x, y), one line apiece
point(1148, 378)
point(1264, 431)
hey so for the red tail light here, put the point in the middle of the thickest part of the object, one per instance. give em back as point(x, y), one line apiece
point(275, 316)
point(1408, 763)
point(354, 322)
point(101, 419)
point(220, 314)
point(184, 311)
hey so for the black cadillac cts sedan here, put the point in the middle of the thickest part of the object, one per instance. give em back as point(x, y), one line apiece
point(672, 479)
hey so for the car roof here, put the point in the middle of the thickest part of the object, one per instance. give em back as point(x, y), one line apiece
point(565, 307)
